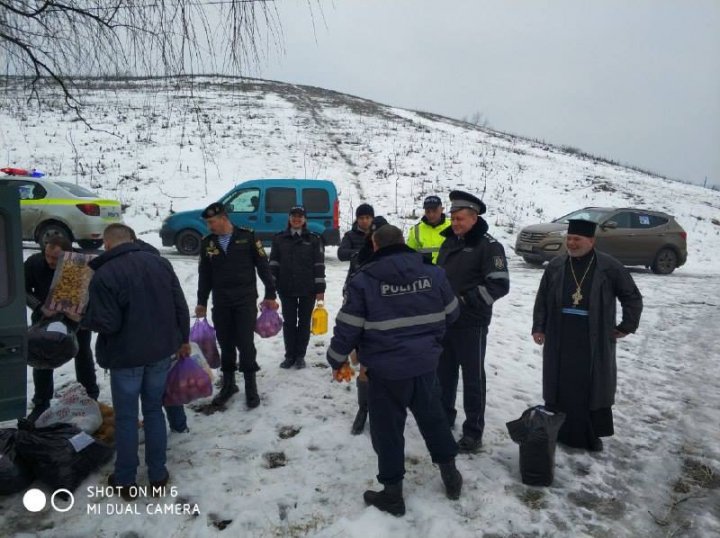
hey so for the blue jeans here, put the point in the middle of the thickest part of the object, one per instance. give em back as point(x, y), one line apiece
point(127, 385)
point(177, 420)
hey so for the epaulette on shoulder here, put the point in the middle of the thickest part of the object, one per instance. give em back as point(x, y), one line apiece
point(245, 229)
point(490, 238)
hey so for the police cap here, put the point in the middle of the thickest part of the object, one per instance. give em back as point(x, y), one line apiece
point(213, 210)
point(297, 210)
point(432, 202)
point(465, 200)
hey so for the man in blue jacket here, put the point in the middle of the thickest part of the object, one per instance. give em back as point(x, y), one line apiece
point(395, 313)
point(138, 309)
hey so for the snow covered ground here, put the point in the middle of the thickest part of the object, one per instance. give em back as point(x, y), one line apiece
point(659, 475)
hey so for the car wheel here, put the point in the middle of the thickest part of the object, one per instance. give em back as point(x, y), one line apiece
point(533, 262)
point(90, 244)
point(51, 229)
point(665, 262)
point(188, 242)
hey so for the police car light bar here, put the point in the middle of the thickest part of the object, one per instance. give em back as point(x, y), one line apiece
point(22, 172)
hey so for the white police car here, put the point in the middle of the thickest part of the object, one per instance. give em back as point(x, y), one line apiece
point(50, 208)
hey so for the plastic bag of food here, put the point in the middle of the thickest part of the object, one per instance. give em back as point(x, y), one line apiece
point(186, 381)
point(203, 334)
point(268, 322)
point(73, 407)
point(69, 288)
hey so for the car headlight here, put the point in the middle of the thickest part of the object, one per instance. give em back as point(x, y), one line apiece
point(559, 233)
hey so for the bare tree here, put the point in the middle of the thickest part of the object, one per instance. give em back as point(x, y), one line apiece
point(59, 40)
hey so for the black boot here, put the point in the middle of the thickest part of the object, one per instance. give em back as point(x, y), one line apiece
point(300, 363)
point(252, 398)
point(359, 423)
point(452, 479)
point(287, 363)
point(388, 500)
point(228, 389)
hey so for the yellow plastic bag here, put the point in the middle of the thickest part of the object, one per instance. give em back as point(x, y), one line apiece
point(319, 320)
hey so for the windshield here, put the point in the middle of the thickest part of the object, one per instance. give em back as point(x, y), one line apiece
point(76, 190)
point(593, 214)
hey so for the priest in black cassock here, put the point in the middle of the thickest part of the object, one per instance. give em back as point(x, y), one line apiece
point(575, 319)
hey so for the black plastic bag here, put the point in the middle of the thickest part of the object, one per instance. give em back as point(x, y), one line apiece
point(60, 455)
point(536, 431)
point(15, 475)
point(51, 342)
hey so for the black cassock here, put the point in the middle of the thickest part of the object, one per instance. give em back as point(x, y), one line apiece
point(582, 425)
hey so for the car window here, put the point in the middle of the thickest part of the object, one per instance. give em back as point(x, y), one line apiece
point(243, 201)
point(644, 221)
point(28, 190)
point(316, 200)
point(279, 200)
point(76, 190)
point(594, 215)
point(623, 219)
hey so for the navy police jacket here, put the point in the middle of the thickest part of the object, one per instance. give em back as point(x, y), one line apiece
point(477, 270)
point(396, 311)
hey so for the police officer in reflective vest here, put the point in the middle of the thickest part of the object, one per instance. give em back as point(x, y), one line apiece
point(395, 312)
point(425, 236)
point(229, 257)
point(476, 267)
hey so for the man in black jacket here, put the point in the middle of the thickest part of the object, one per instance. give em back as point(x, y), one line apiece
point(138, 309)
point(356, 238)
point(297, 262)
point(476, 267)
point(39, 271)
point(575, 320)
point(229, 257)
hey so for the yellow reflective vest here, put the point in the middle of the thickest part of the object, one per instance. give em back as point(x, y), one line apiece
point(426, 238)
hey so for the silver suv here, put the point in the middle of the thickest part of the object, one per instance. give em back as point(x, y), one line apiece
point(633, 236)
point(61, 208)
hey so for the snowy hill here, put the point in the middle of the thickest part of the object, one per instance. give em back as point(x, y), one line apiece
point(159, 144)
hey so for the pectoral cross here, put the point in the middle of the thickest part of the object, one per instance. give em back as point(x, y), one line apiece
point(577, 297)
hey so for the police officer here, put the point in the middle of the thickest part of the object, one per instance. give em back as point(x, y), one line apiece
point(229, 257)
point(476, 267)
point(395, 312)
point(39, 272)
point(297, 262)
point(425, 236)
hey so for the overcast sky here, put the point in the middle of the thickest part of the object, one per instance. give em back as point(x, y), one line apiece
point(637, 81)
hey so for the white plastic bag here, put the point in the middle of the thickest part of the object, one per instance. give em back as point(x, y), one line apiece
point(73, 407)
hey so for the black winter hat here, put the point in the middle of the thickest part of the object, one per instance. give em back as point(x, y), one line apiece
point(377, 223)
point(364, 209)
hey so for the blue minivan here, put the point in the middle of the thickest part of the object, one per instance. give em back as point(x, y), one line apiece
point(263, 205)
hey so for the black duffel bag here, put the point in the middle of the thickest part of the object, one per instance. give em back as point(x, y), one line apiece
point(536, 432)
point(51, 342)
